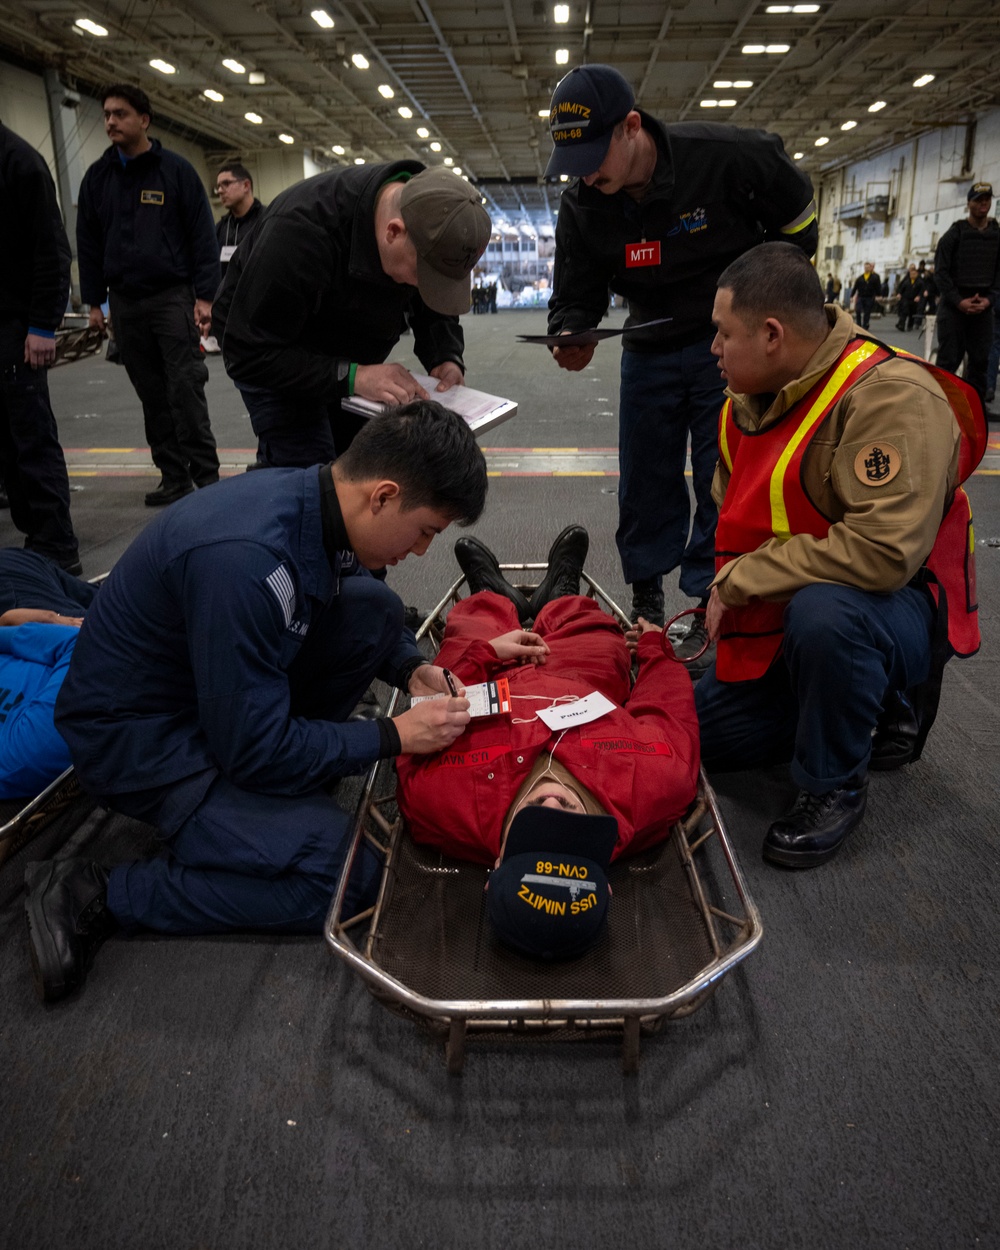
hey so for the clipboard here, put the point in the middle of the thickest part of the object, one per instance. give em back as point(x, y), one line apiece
point(480, 410)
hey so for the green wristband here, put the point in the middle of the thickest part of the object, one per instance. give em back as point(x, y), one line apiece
point(351, 373)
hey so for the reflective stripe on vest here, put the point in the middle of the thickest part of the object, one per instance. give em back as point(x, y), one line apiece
point(765, 500)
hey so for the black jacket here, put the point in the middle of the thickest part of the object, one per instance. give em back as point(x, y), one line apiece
point(34, 275)
point(144, 226)
point(867, 289)
point(716, 192)
point(231, 231)
point(308, 297)
point(967, 261)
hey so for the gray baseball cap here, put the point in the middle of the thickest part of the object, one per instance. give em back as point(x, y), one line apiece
point(450, 229)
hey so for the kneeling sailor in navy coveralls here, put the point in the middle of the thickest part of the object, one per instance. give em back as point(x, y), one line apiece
point(210, 691)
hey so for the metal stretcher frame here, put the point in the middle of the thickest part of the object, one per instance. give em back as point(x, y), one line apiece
point(37, 813)
point(456, 1018)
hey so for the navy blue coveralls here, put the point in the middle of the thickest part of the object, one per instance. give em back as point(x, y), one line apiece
point(208, 695)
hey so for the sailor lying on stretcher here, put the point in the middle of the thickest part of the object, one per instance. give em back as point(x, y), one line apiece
point(550, 807)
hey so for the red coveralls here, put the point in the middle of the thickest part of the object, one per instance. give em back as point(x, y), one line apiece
point(639, 761)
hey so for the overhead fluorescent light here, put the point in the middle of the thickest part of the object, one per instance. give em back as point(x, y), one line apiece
point(423, 132)
point(254, 117)
point(385, 91)
point(457, 169)
point(234, 66)
point(727, 104)
point(923, 80)
point(215, 96)
point(90, 27)
point(743, 84)
point(360, 60)
point(709, 104)
point(772, 49)
point(877, 107)
point(322, 18)
point(543, 113)
point(848, 125)
point(337, 150)
point(797, 156)
point(564, 177)
point(163, 66)
point(435, 147)
point(562, 56)
point(359, 160)
point(822, 141)
point(721, 84)
point(448, 160)
point(256, 78)
point(404, 111)
point(560, 13)
point(286, 138)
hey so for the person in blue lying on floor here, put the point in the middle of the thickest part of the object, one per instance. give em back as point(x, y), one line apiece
point(35, 651)
point(210, 692)
point(28, 580)
point(43, 607)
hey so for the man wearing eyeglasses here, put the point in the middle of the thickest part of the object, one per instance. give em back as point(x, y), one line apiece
point(234, 187)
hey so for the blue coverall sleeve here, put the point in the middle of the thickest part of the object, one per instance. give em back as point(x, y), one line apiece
point(32, 751)
point(239, 650)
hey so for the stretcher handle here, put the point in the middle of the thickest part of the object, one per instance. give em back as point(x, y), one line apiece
point(668, 649)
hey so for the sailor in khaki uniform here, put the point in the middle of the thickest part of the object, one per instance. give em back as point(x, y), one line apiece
point(843, 552)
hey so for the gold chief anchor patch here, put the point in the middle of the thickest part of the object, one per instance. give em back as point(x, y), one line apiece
point(877, 463)
point(150, 197)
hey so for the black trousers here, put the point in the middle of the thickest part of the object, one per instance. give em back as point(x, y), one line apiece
point(158, 341)
point(965, 334)
point(31, 460)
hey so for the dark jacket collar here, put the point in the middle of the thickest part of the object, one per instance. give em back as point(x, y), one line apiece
point(150, 156)
point(365, 262)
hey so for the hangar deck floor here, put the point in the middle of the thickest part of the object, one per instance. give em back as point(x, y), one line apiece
point(840, 1090)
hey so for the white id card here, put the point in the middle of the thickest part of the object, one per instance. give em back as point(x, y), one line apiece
point(227, 253)
point(566, 715)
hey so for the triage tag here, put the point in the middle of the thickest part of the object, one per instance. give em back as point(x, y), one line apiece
point(639, 254)
point(226, 255)
point(566, 715)
point(488, 698)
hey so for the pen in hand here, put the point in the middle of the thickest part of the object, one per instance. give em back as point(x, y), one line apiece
point(451, 684)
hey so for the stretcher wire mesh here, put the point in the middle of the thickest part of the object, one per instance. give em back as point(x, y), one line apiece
point(432, 933)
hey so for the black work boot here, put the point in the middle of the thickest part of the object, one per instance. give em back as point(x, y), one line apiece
point(566, 558)
point(68, 919)
point(647, 601)
point(693, 647)
point(482, 572)
point(168, 492)
point(896, 731)
point(815, 826)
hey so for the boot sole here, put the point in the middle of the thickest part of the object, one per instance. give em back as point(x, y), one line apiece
point(46, 967)
point(798, 859)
